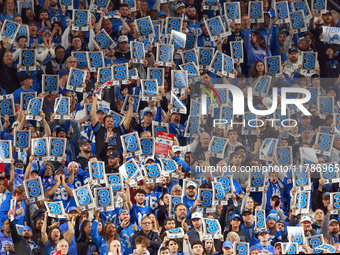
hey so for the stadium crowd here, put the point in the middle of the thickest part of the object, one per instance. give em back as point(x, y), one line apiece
point(145, 219)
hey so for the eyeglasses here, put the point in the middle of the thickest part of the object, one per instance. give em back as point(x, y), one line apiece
point(72, 61)
point(177, 190)
point(146, 223)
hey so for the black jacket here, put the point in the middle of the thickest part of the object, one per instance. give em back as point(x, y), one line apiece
point(22, 246)
point(9, 79)
point(155, 241)
point(84, 245)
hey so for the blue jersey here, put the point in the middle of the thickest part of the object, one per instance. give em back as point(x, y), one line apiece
point(73, 246)
point(110, 216)
point(4, 241)
point(152, 199)
point(250, 233)
point(137, 213)
point(8, 16)
point(126, 239)
point(49, 249)
point(40, 41)
point(189, 203)
point(61, 195)
point(277, 190)
point(117, 24)
point(205, 41)
point(195, 28)
point(57, 16)
point(17, 94)
point(177, 130)
point(79, 180)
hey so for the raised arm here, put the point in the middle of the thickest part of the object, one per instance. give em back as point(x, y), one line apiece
point(46, 127)
point(93, 112)
point(64, 38)
point(126, 28)
point(22, 119)
point(128, 115)
point(44, 237)
point(29, 168)
point(67, 188)
point(127, 202)
point(98, 25)
point(68, 235)
point(12, 174)
point(53, 189)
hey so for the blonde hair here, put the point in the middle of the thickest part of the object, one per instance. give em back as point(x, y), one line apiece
point(233, 233)
point(177, 186)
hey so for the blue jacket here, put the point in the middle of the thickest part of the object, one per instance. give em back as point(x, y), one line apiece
point(5, 240)
point(254, 55)
point(99, 240)
point(6, 206)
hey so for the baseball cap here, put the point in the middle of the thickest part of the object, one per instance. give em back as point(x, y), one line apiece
point(305, 115)
point(123, 38)
point(307, 129)
point(72, 208)
point(18, 161)
point(62, 72)
point(306, 218)
point(180, 5)
point(58, 170)
point(333, 220)
point(240, 147)
point(192, 184)
point(327, 194)
point(196, 215)
point(47, 32)
point(146, 112)
point(262, 230)
point(227, 244)
point(24, 77)
point(55, 128)
point(114, 154)
point(303, 39)
point(247, 211)
point(336, 136)
point(292, 49)
point(122, 210)
point(86, 95)
point(161, 13)
point(282, 222)
point(103, 110)
point(83, 142)
point(60, 129)
point(235, 216)
point(176, 149)
point(191, 7)
point(276, 244)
